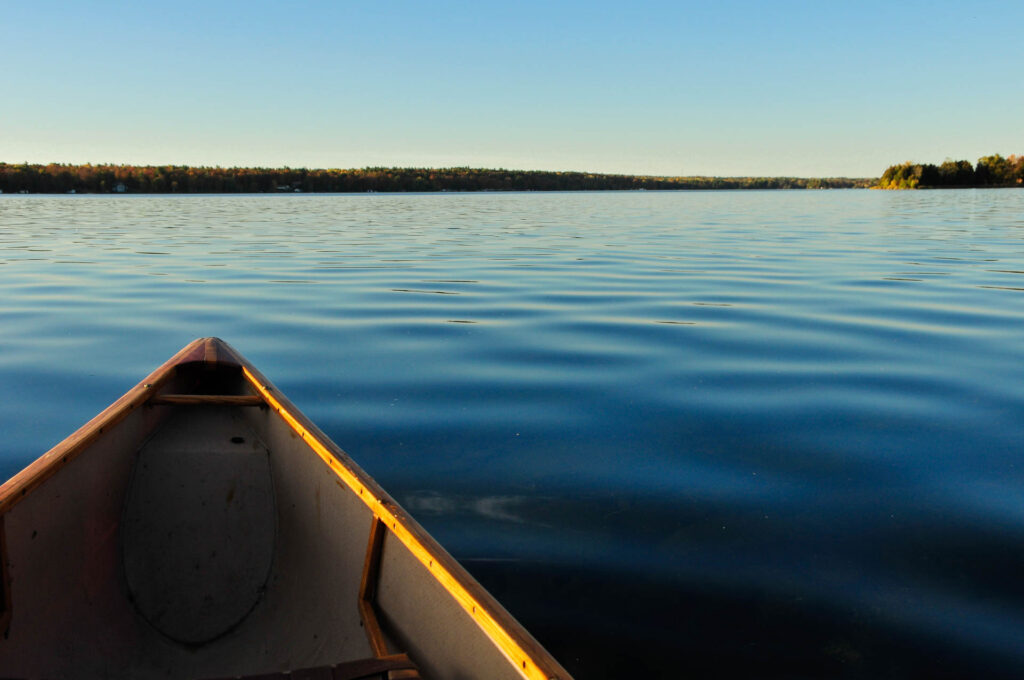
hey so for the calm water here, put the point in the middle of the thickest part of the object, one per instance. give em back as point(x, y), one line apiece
point(769, 435)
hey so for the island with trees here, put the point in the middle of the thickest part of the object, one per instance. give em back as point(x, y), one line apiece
point(989, 171)
point(183, 179)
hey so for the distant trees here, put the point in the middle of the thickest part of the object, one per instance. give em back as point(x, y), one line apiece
point(993, 171)
point(164, 179)
point(999, 171)
point(955, 173)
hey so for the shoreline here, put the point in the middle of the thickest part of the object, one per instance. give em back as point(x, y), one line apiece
point(56, 178)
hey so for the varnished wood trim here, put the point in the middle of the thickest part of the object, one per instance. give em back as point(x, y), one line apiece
point(199, 399)
point(14, 489)
point(404, 674)
point(368, 589)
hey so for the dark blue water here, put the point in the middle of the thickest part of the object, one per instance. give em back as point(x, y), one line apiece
point(704, 435)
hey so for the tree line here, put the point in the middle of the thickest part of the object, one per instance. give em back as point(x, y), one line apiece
point(183, 179)
point(990, 171)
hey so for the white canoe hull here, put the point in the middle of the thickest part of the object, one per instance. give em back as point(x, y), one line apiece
point(223, 535)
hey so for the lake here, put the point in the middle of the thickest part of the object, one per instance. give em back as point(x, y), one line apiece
point(694, 434)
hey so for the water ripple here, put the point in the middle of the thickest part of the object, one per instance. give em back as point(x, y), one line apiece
point(747, 434)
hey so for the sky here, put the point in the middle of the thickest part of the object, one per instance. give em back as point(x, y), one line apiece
point(719, 87)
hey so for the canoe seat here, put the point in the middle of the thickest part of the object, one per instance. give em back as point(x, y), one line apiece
point(391, 667)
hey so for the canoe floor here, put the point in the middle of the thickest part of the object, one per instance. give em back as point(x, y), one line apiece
point(198, 549)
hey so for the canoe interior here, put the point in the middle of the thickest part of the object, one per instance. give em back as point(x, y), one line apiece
point(207, 540)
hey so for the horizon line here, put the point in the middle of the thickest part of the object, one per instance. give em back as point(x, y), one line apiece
point(425, 167)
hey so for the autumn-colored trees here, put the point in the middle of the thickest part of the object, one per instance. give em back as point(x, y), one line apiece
point(61, 178)
point(990, 171)
point(994, 170)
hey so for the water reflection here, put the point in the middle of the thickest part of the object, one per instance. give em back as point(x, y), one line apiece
point(496, 508)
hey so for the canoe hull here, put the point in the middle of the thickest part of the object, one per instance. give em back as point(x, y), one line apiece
point(84, 527)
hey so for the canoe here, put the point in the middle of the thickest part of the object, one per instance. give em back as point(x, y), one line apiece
point(202, 527)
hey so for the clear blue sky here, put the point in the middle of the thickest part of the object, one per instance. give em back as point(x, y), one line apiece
point(717, 87)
